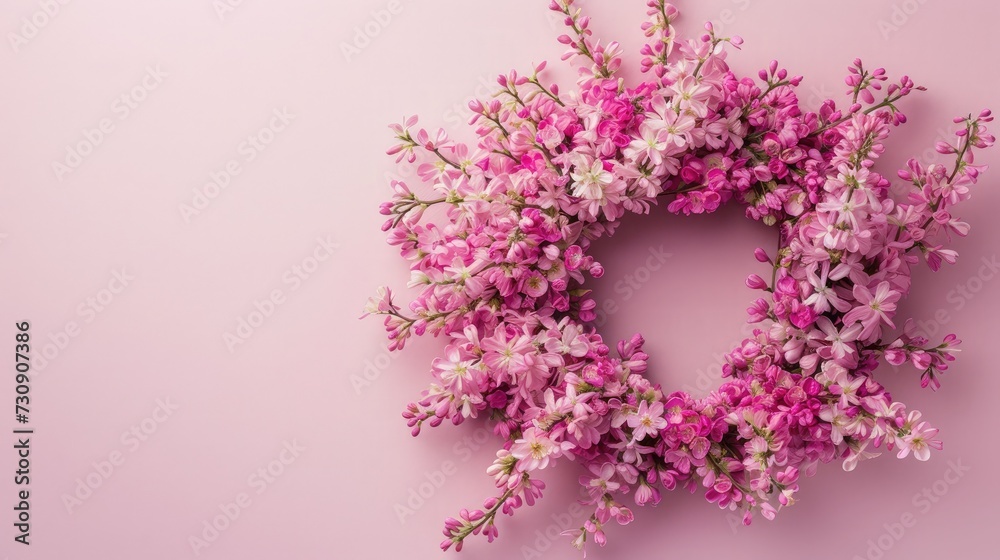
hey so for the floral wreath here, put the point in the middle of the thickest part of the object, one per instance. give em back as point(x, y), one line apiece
point(501, 274)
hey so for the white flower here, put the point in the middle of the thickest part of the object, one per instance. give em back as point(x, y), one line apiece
point(590, 184)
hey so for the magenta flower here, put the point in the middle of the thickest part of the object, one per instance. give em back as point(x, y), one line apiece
point(574, 257)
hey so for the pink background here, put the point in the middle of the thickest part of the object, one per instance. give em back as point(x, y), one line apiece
point(323, 175)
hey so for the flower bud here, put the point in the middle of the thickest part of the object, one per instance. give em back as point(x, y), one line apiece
point(755, 282)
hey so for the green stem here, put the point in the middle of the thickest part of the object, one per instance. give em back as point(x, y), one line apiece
point(486, 518)
point(554, 97)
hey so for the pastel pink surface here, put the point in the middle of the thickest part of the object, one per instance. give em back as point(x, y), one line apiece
point(323, 176)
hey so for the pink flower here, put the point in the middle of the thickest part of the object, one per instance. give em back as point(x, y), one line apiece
point(379, 303)
point(650, 146)
point(840, 340)
point(802, 315)
point(603, 482)
point(648, 420)
point(848, 390)
point(503, 355)
point(920, 440)
point(858, 453)
point(872, 308)
point(692, 95)
point(454, 371)
point(535, 285)
point(645, 494)
point(572, 342)
point(824, 297)
point(895, 356)
point(758, 311)
point(838, 423)
point(535, 450)
point(677, 126)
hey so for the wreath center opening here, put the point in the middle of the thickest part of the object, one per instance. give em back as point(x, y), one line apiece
point(662, 270)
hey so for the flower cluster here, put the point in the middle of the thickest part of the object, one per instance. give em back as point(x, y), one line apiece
point(498, 252)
